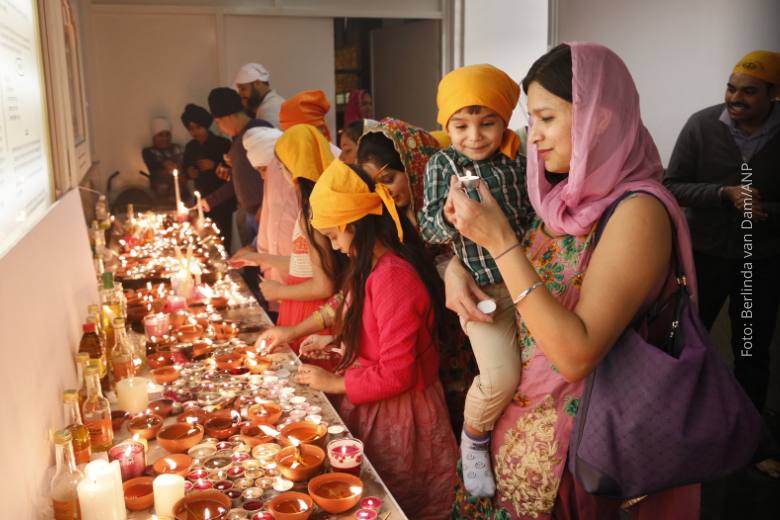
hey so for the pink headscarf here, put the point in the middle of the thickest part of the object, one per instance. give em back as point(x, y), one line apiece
point(612, 153)
point(352, 110)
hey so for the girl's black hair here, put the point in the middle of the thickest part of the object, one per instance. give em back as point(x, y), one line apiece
point(377, 148)
point(368, 231)
point(354, 130)
point(333, 263)
point(553, 71)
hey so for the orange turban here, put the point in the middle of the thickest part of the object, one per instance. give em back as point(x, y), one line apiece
point(764, 65)
point(341, 197)
point(304, 152)
point(309, 107)
point(482, 85)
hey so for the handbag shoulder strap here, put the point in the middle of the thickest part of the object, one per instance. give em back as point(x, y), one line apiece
point(679, 297)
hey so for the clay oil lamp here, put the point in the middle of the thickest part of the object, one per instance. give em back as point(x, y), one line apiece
point(166, 374)
point(298, 463)
point(252, 435)
point(161, 407)
point(145, 426)
point(160, 360)
point(202, 504)
point(179, 437)
point(222, 427)
point(224, 329)
point(266, 412)
point(139, 493)
point(229, 361)
point(118, 418)
point(336, 492)
point(177, 464)
point(291, 506)
point(305, 432)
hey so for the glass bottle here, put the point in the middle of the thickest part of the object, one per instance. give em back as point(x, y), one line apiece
point(97, 412)
point(123, 358)
point(110, 307)
point(92, 344)
point(98, 239)
point(82, 449)
point(64, 494)
point(93, 316)
point(82, 359)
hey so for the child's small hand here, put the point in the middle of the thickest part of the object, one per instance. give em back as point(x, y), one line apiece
point(320, 379)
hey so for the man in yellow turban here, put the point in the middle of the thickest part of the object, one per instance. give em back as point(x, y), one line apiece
point(725, 171)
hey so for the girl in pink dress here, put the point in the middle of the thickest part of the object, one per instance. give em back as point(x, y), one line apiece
point(390, 331)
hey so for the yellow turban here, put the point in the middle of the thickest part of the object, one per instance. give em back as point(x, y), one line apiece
point(441, 137)
point(483, 85)
point(764, 65)
point(304, 151)
point(341, 197)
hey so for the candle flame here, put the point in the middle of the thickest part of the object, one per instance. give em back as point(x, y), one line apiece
point(268, 430)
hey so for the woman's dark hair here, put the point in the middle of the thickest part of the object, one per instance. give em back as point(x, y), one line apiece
point(333, 263)
point(377, 148)
point(368, 231)
point(553, 71)
point(354, 130)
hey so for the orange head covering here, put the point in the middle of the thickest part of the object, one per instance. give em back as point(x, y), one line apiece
point(482, 85)
point(304, 151)
point(309, 107)
point(341, 197)
point(764, 65)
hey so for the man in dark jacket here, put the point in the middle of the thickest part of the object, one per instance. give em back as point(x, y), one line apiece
point(725, 172)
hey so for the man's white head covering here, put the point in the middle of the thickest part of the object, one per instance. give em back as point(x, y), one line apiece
point(259, 143)
point(252, 72)
point(160, 124)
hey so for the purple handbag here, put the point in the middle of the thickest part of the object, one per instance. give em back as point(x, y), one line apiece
point(661, 413)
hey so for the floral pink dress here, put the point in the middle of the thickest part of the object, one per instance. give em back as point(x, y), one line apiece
point(531, 439)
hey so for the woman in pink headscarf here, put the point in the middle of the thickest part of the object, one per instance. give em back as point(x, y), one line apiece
point(359, 106)
point(587, 147)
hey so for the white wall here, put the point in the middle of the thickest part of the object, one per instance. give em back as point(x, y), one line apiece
point(510, 34)
point(680, 53)
point(297, 51)
point(150, 64)
point(47, 282)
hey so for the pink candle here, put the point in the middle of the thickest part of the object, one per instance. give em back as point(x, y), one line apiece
point(175, 303)
point(131, 457)
point(346, 455)
point(235, 472)
point(365, 514)
point(374, 503)
point(197, 474)
point(156, 325)
point(202, 485)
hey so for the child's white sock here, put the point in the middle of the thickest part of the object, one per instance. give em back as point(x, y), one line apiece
point(477, 472)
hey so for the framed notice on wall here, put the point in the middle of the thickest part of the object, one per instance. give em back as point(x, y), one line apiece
point(25, 168)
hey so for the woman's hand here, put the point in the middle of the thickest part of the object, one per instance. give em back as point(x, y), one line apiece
point(275, 336)
point(462, 293)
point(272, 290)
point(320, 379)
point(481, 222)
point(315, 343)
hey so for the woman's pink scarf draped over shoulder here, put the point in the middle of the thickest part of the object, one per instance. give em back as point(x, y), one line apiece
point(612, 152)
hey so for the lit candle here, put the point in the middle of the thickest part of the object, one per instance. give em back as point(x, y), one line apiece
point(132, 394)
point(168, 489)
point(131, 458)
point(200, 208)
point(176, 188)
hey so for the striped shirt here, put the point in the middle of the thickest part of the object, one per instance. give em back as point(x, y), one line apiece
point(506, 179)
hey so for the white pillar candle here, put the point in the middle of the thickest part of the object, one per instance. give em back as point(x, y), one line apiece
point(168, 489)
point(98, 492)
point(200, 208)
point(132, 394)
point(176, 188)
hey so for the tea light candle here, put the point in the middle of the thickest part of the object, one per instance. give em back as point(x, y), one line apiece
point(365, 514)
point(235, 472)
point(252, 493)
point(176, 303)
point(168, 489)
point(202, 451)
point(243, 483)
point(263, 515)
point(316, 419)
point(132, 394)
point(131, 458)
point(374, 503)
point(297, 415)
point(187, 486)
point(197, 474)
point(263, 452)
point(282, 484)
point(297, 400)
point(265, 482)
point(253, 505)
point(202, 485)
point(156, 325)
point(237, 514)
point(223, 485)
point(234, 495)
point(314, 409)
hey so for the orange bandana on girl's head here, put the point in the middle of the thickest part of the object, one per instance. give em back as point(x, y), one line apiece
point(341, 197)
point(481, 85)
point(307, 107)
point(304, 151)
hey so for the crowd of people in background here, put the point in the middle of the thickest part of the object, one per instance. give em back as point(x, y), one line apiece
point(452, 294)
